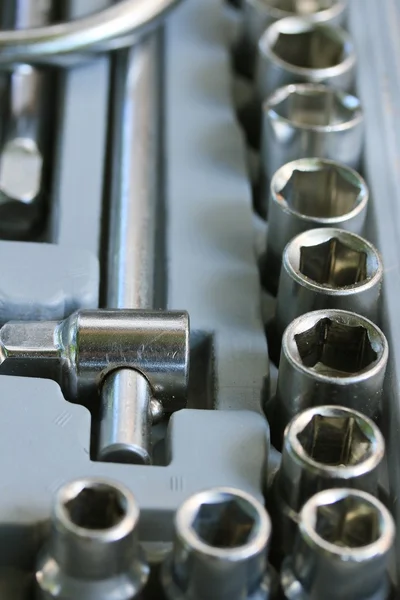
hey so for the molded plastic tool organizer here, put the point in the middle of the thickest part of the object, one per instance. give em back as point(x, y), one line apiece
point(213, 242)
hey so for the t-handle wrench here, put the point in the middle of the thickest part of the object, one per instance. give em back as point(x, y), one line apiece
point(137, 360)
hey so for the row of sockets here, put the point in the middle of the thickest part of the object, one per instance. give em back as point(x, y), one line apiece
point(315, 258)
point(308, 130)
point(221, 543)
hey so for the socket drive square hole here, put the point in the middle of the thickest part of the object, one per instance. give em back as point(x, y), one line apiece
point(335, 441)
point(350, 522)
point(317, 48)
point(335, 348)
point(97, 507)
point(226, 523)
point(334, 264)
point(324, 193)
point(317, 107)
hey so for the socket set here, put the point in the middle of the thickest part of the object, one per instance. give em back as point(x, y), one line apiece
point(198, 318)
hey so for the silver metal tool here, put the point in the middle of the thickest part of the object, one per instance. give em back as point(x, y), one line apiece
point(330, 357)
point(93, 551)
point(309, 120)
point(327, 268)
point(136, 360)
point(119, 26)
point(259, 14)
point(295, 50)
point(95, 352)
point(324, 447)
point(135, 194)
point(342, 549)
point(308, 194)
point(220, 548)
point(21, 154)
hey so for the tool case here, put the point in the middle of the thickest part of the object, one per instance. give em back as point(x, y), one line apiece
point(213, 241)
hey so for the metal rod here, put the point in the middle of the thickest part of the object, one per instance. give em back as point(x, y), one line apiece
point(130, 260)
point(134, 192)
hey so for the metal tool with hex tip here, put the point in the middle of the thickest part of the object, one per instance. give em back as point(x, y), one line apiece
point(135, 361)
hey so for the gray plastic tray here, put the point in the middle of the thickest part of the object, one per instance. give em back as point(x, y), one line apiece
point(213, 243)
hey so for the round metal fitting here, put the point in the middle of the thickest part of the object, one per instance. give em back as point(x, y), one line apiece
point(310, 193)
point(64, 44)
point(327, 268)
point(259, 14)
point(342, 548)
point(220, 548)
point(295, 50)
point(330, 357)
point(309, 120)
point(324, 447)
point(93, 551)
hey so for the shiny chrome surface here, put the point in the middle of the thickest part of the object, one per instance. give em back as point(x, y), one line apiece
point(21, 158)
point(330, 357)
point(136, 140)
point(126, 418)
point(259, 14)
point(308, 194)
point(308, 120)
point(80, 351)
point(220, 548)
point(118, 26)
point(93, 551)
point(328, 268)
point(342, 549)
point(125, 429)
point(324, 447)
point(294, 50)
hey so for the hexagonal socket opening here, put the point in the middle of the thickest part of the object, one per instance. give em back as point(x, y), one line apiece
point(308, 106)
point(301, 7)
point(350, 522)
point(335, 441)
point(327, 192)
point(333, 348)
point(316, 48)
point(334, 264)
point(228, 522)
point(97, 507)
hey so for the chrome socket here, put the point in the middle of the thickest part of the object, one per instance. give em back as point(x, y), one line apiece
point(259, 14)
point(93, 551)
point(330, 357)
point(220, 548)
point(327, 268)
point(342, 549)
point(308, 120)
point(324, 447)
point(296, 50)
point(310, 193)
